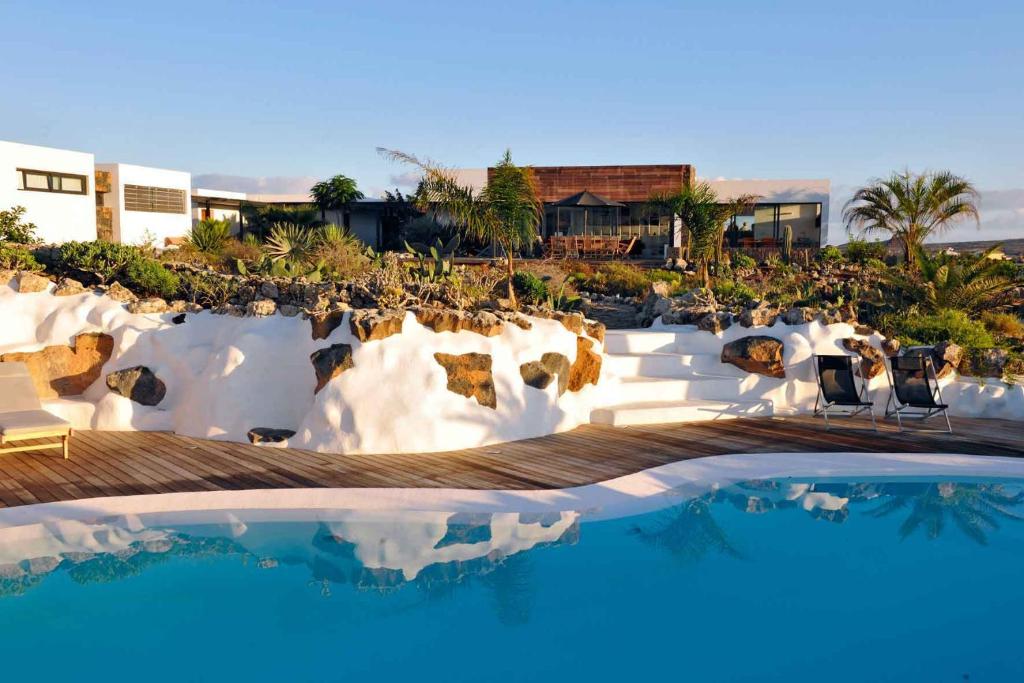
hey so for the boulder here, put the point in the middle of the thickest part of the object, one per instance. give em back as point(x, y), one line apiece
point(229, 309)
point(891, 347)
point(29, 282)
point(586, 369)
point(269, 290)
point(322, 324)
point(986, 362)
point(119, 292)
point(714, 322)
point(153, 304)
point(69, 287)
point(261, 308)
point(330, 362)
point(288, 310)
point(595, 330)
point(655, 304)
point(540, 373)
point(946, 357)
point(469, 375)
point(179, 306)
point(8, 277)
point(799, 315)
point(758, 354)
point(573, 321)
point(139, 383)
point(66, 370)
point(269, 435)
point(449, 320)
point(371, 324)
point(865, 330)
point(760, 315)
point(872, 360)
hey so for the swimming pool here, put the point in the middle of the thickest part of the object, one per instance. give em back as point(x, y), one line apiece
point(868, 578)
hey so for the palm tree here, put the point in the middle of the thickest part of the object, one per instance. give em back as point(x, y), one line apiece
point(689, 532)
point(704, 214)
point(970, 284)
point(506, 211)
point(911, 207)
point(335, 194)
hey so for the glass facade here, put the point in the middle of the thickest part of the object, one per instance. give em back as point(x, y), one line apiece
point(764, 226)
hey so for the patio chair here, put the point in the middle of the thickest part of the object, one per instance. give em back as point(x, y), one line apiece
point(838, 388)
point(914, 390)
point(22, 416)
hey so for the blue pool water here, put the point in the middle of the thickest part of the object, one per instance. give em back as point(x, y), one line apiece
point(761, 581)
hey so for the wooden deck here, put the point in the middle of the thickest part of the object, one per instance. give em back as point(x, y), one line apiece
point(128, 463)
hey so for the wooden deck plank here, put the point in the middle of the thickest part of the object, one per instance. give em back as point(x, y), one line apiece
point(130, 463)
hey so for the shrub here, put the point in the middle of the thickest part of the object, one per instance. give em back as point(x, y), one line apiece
point(341, 254)
point(830, 254)
point(914, 328)
point(105, 260)
point(875, 264)
point(210, 235)
point(148, 277)
point(292, 243)
point(530, 288)
point(13, 229)
point(244, 250)
point(619, 278)
point(731, 290)
point(1003, 324)
point(206, 289)
point(671, 277)
point(741, 260)
point(862, 251)
point(17, 258)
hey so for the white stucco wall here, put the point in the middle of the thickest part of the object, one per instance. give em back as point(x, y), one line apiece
point(59, 217)
point(133, 227)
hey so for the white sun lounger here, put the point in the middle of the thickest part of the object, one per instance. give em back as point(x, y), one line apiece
point(22, 416)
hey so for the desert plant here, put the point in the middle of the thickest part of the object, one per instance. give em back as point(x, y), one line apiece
point(206, 289)
point(340, 253)
point(335, 194)
point(911, 207)
point(436, 262)
point(1003, 324)
point(787, 244)
point(562, 301)
point(14, 229)
point(507, 210)
point(971, 284)
point(863, 251)
point(742, 261)
point(149, 277)
point(914, 328)
point(210, 235)
point(530, 288)
point(17, 258)
point(291, 243)
point(105, 260)
point(830, 254)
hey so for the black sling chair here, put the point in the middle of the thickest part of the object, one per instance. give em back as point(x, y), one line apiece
point(914, 390)
point(838, 388)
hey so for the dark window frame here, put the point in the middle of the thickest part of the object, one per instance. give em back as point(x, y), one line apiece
point(50, 176)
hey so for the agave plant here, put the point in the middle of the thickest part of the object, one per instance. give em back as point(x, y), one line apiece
point(210, 235)
point(959, 283)
point(291, 243)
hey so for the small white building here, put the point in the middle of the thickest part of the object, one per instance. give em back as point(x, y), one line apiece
point(147, 203)
point(56, 187)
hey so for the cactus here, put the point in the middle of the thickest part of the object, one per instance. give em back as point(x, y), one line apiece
point(442, 256)
point(787, 244)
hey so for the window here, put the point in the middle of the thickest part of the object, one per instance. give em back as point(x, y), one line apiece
point(51, 181)
point(154, 199)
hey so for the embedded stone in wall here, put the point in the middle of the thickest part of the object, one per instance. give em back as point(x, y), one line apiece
point(322, 324)
point(31, 282)
point(891, 347)
point(514, 318)
point(371, 324)
point(469, 375)
point(760, 315)
point(261, 308)
point(119, 292)
point(66, 370)
point(540, 373)
point(269, 435)
point(68, 287)
point(449, 320)
point(153, 304)
point(330, 362)
point(570, 321)
point(7, 277)
point(715, 322)
point(586, 369)
point(986, 362)
point(758, 354)
point(872, 361)
point(139, 383)
point(798, 315)
point(946, 357)
point(595, 329)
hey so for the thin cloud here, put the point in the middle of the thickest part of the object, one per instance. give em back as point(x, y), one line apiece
point(254, 185)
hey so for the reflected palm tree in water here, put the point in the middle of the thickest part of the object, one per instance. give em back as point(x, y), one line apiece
point(976, 509)
point(688, 532)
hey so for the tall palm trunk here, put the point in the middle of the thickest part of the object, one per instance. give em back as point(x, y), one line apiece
point(511, 276)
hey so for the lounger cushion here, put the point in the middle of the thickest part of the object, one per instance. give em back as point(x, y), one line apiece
point(22, 422)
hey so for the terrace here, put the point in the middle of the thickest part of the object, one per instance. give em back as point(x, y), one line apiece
point(130, 463)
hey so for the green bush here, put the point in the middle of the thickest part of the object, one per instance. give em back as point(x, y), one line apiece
point(741, 260)
point(1003, 324)
point(105, 260)
point(670, 276)
point(13, 229)
point(148, 277)
point(17, 258)
point(530, 288)
point(210, 235)
point(914, 329)
point(731, 290)
point(830, 254)
point(862, 251)
point(875, 264)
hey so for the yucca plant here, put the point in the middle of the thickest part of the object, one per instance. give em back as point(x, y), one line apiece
point(291, 243)
point(210, 235)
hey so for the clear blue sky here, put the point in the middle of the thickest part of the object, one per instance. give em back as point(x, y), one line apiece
point(845, 91)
